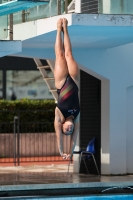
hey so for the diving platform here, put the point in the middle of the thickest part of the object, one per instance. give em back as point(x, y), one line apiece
point(18, 5)
point(10, 47)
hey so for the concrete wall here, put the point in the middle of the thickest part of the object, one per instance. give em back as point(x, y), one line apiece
point(117, 96)
point(129, 136)
point(31, 144)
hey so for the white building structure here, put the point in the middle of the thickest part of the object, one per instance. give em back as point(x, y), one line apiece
point(102, 46)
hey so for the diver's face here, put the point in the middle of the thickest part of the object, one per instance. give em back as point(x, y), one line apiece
point(68, 127)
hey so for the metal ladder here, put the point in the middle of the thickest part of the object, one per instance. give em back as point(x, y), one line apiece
point(46, 78)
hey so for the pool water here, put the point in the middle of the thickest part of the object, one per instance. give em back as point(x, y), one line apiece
point(107, 197)
point(95, 197)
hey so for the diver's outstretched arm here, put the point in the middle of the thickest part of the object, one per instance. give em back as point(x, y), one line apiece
point(74, 136)
point(59, 135)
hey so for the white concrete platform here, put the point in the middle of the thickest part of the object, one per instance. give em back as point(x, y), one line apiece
point(9, 47)
point(86, 32)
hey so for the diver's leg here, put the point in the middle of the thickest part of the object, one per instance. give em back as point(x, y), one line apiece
point(61, 69)
point(71, 63)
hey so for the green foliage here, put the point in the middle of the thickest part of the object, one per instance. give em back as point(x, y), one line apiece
point(29, 112)
point(69, 1)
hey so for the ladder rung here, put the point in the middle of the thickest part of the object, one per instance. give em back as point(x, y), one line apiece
point(49, 78)
point(43, 67)
point(53, 90)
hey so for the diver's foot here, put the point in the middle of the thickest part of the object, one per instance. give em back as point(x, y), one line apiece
point(65, 23)
point(59, 24)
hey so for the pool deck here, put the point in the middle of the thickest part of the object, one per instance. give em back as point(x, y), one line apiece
point(54, 177)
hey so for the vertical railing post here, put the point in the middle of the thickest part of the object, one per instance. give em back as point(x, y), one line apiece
point(66, 6)
point(18, 139)
point(59, 6)
point(23, 16)
point(15, 131)
point(11, 27)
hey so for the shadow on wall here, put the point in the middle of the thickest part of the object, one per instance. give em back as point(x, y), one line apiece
point(129, 122)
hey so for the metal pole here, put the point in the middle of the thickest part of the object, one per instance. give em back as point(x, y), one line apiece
point(66, 6)
point(59, 6)
point(18, 138)
point(15, 128)
point(23, 16)
point(11, 26)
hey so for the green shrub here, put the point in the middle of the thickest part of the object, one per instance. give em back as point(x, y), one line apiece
point(30, 112)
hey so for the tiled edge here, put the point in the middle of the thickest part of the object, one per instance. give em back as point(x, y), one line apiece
point(66, 185)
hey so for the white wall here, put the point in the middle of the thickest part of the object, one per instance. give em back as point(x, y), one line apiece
point(129, 139)
point(116, 65)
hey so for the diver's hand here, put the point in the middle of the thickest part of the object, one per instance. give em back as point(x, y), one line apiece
point(69, 156)
point(64, 156)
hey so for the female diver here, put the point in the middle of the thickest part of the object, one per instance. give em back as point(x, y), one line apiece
point(66, 75)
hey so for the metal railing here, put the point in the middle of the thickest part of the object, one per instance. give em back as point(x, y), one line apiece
point(90, 7)
point(29, 142)
point(58, 7)
point(104, 6)
point(55, 7)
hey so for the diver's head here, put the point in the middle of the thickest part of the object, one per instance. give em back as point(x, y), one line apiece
point(68, 126)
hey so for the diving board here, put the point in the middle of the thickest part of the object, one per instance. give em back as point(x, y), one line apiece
point(18, 5)
point(8, 47)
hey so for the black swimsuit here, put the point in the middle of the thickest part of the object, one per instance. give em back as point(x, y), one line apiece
point(68, 100)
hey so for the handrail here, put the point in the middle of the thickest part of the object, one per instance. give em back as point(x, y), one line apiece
point(58, 7)
point(23, 11)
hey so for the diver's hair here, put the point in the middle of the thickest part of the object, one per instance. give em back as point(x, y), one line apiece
point(71, 132)
point(67, 134)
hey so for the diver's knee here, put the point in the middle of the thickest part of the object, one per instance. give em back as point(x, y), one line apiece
point(68, 55)
point(60, 55)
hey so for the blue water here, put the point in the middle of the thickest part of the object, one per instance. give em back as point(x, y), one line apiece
point(98, 197)
point(110, 197)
